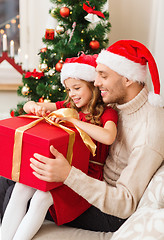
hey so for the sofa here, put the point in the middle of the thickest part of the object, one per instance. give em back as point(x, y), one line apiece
point(146, 223)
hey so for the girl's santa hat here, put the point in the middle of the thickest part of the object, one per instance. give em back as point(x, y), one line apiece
point(129, 58)
point(82, 67)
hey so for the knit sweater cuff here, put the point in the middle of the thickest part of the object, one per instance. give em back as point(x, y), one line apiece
point(72, 177)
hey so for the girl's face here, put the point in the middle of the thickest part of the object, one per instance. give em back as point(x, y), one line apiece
point(79, 92)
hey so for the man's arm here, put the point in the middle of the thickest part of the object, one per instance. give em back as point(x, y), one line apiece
point(120, 201)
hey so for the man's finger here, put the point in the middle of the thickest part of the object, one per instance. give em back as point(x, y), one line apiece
point(54, 151)
point(36, 169)
point(41, 177)
point(41, 158)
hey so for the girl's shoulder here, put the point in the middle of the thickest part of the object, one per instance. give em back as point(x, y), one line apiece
point(60, 104)
point(109, 114)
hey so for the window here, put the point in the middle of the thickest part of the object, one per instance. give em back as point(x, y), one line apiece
point(9, 24)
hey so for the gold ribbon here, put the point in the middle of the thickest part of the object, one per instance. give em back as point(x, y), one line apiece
point(63, 112)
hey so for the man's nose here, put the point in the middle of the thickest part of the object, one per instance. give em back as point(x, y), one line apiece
point(97, 81)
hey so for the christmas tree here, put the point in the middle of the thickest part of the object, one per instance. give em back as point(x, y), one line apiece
point(82, 27)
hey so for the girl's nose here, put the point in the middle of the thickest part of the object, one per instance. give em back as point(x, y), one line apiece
point(71, 93)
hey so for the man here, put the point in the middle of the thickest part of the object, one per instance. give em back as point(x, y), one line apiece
point(138, 150)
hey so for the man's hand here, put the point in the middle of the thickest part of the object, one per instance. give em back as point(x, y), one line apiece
point(50, 169)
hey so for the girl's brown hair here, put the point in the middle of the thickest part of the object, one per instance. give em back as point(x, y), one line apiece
point(96, 105)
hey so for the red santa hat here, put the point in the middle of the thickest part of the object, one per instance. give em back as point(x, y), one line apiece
point(129, 59)
point(82, 67)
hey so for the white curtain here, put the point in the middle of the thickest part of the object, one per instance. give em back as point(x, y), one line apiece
point(157, 37)
point(33, 19)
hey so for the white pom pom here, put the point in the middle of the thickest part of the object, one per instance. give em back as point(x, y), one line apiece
point(155, 99)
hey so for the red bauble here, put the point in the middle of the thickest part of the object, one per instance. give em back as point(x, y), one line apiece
point(12, 113)
point(59, 66)
point(94, 44)
point(41, 99)
point(64, 12)
point(43, 50)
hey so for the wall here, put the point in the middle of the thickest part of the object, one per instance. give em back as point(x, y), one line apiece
point(130, 19)
point(142, 21)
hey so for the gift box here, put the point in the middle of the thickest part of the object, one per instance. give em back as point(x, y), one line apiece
point(37, 139)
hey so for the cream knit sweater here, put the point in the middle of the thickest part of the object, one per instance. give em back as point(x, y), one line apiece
point(133, 159)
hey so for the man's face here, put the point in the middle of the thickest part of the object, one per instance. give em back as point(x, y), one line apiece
point(111, 85)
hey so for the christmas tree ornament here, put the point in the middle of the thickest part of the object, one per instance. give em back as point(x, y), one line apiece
point(51, 72)
point(43, 66)
point(54, 87)
point(46, 100)
point(34, 74)
point(41, 100)
point(50, 28)
point(94, 44)
point(12, 113)
point(73, 29)
point(60, 29)
point(43, 50)
point(92, 16)
point(49, 34)
point(25, 90)
point(59, 65)
point(64, 12)
point(53, 12)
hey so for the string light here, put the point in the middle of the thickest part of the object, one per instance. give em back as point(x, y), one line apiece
point(7, 26)
point(13, 21)
point(2, 31)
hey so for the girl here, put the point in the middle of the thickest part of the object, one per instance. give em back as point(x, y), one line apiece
point(97, 120)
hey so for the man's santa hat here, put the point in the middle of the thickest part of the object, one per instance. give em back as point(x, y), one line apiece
point(129, 58)
point(82, 67)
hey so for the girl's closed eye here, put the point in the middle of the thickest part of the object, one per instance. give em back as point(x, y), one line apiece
point(77, 88)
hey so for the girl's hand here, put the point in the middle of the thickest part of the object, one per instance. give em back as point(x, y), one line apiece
point(58, 119)
point(39, 111)
point(34, 108)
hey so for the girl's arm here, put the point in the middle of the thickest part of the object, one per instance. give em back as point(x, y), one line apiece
point(105, 135)
point(40, 109)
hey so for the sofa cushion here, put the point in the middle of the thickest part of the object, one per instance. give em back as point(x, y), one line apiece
point(147, 223)
point(51, 231)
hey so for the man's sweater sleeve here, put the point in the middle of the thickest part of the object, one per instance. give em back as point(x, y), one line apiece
point(122, 200)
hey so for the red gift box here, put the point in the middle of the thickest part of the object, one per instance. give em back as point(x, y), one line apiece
point(49, 35)
point(37, 139)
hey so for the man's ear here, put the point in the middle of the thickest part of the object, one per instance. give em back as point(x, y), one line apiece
point(127, 82)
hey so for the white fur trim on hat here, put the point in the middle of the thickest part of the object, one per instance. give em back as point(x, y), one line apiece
point(155, 99)
point(78, 70)
point(123, 66)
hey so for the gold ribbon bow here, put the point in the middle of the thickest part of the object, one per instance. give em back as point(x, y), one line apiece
point(63, 112)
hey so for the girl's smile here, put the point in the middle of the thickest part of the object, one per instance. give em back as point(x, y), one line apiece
point(79, 92)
